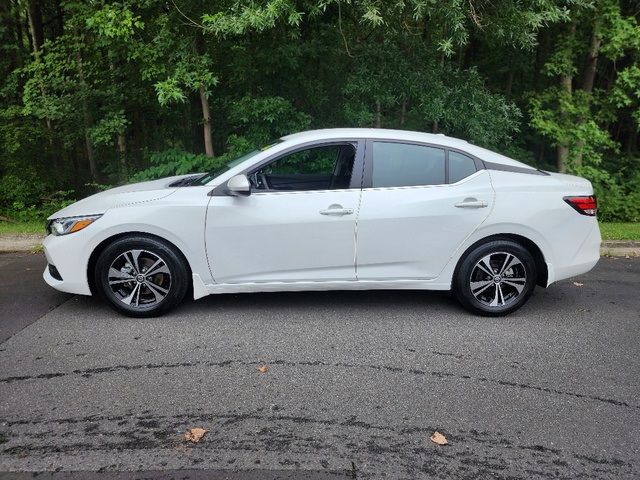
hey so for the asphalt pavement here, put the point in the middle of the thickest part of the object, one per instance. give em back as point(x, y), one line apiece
point(24, 296)
point(356, 383)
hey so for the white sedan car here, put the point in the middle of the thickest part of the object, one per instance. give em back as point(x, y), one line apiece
point(338, 209)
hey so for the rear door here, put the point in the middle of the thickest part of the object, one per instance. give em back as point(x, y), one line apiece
point(420, 202)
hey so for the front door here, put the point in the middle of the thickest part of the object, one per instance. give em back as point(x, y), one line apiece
point(298, 224)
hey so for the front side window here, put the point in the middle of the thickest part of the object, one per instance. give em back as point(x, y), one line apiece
point(460, 166)
point(327, 167)
point(403, 165)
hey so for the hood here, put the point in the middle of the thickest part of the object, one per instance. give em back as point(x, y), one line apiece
point(121, 196)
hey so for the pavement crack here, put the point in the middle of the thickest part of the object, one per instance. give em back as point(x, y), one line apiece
point(86, 373)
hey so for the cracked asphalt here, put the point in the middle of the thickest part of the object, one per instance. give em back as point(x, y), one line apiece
point(356, 384)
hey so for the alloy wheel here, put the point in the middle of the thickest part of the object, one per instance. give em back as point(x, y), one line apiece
point(498, 279)
point(139, 278)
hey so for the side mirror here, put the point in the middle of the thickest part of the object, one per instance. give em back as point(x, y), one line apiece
point(239, 186)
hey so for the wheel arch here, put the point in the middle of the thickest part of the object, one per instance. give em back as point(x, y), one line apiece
point(530, 245)
point(93, 258)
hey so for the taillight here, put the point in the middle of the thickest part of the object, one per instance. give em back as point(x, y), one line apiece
point(587, 205)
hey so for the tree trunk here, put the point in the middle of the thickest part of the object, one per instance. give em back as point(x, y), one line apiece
point(403, 110)
point(122, 155)
point(592, 61)
point(542, 53)
point(378, 114)
point(589, 78)
point(509, 86)
point(563, 156)
point(18, 22)
point(632, 140)
point(121, 141)
point(34, 14)
point(8, 35)
point(566, 87)
point(59, 19)
point(36, 34)
point(541, 153)
point(199, 47)
point(206, 122)
point(87, 143)
point(563, 148)
point(88, 119)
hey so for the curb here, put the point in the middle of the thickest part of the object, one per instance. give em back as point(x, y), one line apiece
point(12, 243)
point(620, 248)
point(33, 243)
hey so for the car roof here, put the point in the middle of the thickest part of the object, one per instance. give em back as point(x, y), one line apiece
point(407, 135)
point(376, 133)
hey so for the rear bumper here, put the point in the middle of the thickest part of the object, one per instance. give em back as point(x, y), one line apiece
point(585, 258)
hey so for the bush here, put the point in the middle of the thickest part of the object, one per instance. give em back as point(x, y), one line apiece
point(37, 212)
point(28, 198)
point(25, 189)
point(176, 162)
point(618, 197)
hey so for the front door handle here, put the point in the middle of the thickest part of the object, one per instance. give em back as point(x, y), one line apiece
point(336, 210)
point(472, 203)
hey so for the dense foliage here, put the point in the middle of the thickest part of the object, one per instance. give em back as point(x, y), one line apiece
point(100, 92)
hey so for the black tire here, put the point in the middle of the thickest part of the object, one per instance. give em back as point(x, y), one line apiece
point(150, 295)
point(504, 294)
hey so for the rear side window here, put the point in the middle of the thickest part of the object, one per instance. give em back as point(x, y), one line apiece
point(460, 166)
point(403, 165)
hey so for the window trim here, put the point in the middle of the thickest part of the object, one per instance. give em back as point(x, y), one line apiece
point(356, 174)
point(513, 169)
point(367, 181)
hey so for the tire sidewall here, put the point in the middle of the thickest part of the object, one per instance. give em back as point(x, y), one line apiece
point(173, 260)
point(462, 287)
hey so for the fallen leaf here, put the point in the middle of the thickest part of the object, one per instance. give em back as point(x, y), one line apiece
point(263, 369)
point(194, 435)
point(578, 284)
point(439, 439)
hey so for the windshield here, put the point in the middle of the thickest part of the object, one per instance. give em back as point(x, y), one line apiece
point(207, 177)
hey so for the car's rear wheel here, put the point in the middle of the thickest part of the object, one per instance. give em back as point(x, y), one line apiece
point(495, 278)
point(141, 276)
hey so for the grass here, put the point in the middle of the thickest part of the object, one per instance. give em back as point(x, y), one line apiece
point(21, 227)
point(620, 231)
point(610, 231)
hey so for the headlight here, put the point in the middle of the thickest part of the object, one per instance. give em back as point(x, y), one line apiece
point(64, 226)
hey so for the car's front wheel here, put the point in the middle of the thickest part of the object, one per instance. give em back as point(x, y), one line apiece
point(141, 276)
point(495, 278)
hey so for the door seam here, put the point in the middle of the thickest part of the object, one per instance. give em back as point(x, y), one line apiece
point(355, 229)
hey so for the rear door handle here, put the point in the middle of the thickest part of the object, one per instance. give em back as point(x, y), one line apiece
point(472, 203)
point(336, 210)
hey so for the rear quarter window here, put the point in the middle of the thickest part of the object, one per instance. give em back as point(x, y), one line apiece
point(460, 166)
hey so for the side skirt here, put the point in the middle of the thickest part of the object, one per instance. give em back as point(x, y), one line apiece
point(418, 284)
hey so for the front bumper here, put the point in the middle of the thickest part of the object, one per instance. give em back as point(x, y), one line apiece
point(68, 255)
